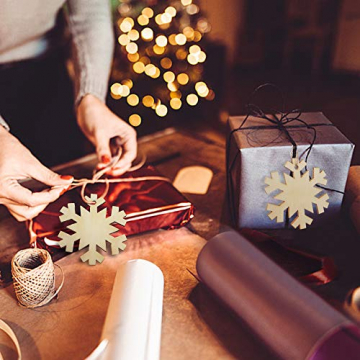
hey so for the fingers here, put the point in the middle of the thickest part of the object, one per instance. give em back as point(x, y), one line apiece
point(41, 173)
point(128, 156)
point(20, 195)
point(103, 149)
point(23, 213)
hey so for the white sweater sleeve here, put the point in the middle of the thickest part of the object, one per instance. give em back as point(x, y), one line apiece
point(93, 41)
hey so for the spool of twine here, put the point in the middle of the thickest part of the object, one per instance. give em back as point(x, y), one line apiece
point(34, 277)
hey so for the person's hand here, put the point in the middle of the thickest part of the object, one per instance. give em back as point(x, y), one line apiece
point(99, 124)
point(17, 163)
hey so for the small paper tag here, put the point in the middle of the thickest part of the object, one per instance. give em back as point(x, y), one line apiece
point(193, 180)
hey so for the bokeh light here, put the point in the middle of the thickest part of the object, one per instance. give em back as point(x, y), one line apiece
point(169, 76)
point(127, 24)
point(133, 99)
point(135, 120)
point(180, 39)
point(147, 34)
point(192, 99)
point(183, 79)
point(148, 101)
point(161, 41)
point(166, 63)
point(175, 103)
point(161, 110)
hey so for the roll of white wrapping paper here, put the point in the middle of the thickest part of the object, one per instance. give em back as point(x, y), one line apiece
point(132, 329)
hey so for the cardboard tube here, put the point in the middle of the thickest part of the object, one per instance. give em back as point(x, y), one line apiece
point(132, 327)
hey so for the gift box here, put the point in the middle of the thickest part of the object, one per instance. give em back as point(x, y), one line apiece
point(149, 204)
point(257, 153)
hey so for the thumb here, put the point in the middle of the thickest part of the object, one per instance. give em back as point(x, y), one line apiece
point(103, 150)
point(46, 176)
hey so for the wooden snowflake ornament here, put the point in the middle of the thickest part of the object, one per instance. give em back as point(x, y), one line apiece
point(93, 229)
point(298, 193)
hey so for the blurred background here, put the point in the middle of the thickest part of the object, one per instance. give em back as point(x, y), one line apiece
point(217, 52)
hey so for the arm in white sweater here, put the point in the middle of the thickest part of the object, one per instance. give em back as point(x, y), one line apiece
point(93, 39)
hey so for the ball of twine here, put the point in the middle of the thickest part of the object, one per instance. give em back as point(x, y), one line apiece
point(34, 277)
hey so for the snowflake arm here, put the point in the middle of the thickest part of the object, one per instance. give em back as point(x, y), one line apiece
point(68, 241)
point(322, 203)
point(93, 228)
point(277, 211)
point(318, 177)
point(274, 183)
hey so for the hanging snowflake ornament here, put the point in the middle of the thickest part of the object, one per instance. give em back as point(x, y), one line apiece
point(93, 229)
point(298, 193)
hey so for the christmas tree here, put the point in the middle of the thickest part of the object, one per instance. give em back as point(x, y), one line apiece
point(158, 66)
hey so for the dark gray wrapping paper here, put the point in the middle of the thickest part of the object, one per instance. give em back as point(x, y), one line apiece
point(255, 153)
point(287, 316)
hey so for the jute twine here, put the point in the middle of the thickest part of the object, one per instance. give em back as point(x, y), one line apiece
point(34, 277)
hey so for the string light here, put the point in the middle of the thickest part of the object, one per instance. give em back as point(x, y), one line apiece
point(150, 70)
point(128, 83)
point(157, 73)
point(192, 99)
point(172, 40)
point(202, 89)
point(192, 59)
point(158, 19)
point(169, 76)
point(148, 12)
point(192, 9)
point(189, 33)
point(175, 103)
point(139, 67)
point(180, 39)
point(135, 120)
point(161, 110)
point(186, 2)
point(124, 90)
point(197, 36)
point(123, 39)
point(133, 100)
point(147, 34)
point(132, 48)
point(148, 101)
point(133, 35)
point(145, 60)
point(172, 86)
point(127, 24)
point(175, 94)
point(171, 11)
point(183, 79)
point(158, 50)
point(143, 20)
point(194, 49)
point(114, 91)
point(133, 57)
point(181, 54)
point(165, 18)
point(161, 40)
point(202, 57)
point(166, 63)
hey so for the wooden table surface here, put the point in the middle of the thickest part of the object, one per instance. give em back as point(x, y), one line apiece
point(195, 324)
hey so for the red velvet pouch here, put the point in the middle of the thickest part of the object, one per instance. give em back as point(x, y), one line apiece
point(148, 204)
